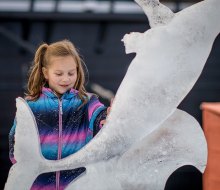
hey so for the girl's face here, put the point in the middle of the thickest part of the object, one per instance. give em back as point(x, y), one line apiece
point(61, 73)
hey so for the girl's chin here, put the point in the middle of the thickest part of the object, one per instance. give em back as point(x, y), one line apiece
point(62, 90)
point(59, 94)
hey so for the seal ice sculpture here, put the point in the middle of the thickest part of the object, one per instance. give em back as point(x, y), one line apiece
point(145, 137)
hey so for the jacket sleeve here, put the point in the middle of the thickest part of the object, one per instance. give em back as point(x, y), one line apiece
point(97, 126)
point(96, 113)
point(12, 142)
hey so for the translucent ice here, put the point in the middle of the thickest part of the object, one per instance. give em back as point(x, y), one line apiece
point(145, 135)
point(149, 163)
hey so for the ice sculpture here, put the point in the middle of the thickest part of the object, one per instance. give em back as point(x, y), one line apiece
point(144, 130)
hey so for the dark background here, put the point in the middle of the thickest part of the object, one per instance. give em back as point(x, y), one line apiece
point(98, 38)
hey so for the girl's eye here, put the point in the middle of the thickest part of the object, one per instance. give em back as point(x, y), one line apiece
point(58, 74)
point(71, 74)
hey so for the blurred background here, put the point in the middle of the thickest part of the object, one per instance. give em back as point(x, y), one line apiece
point(96, 27)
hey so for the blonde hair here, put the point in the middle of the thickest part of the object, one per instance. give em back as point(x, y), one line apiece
point(42, 56)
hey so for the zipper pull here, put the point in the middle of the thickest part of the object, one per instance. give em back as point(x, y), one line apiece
point(61, 109)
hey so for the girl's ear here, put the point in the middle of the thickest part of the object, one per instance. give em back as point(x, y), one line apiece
point(45, 72)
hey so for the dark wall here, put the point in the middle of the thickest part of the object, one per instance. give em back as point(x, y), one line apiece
point(99, 41)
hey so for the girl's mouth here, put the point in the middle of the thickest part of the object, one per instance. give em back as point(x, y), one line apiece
point(64, 85)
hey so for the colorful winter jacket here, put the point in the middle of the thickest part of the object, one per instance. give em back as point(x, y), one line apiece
point(64, 128)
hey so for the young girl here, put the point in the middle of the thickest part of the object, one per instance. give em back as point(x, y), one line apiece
point(67, 116)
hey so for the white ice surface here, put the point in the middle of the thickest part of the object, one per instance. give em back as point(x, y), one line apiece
point(149, 163)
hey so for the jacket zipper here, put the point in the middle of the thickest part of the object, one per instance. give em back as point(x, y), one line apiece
point(59, 143)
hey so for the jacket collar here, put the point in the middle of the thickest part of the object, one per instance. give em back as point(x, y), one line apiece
point(67, 95)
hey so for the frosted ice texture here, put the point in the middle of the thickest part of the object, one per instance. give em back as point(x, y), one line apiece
point(145, 138)
point(149, 163)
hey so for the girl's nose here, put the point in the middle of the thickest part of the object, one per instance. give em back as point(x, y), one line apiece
point(66, 78)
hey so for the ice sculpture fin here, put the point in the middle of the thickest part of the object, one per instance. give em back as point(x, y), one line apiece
point(27, 150)
point(27, 128)
point(157, 13)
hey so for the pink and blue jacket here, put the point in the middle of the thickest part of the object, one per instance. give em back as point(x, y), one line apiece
point(64, 127)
